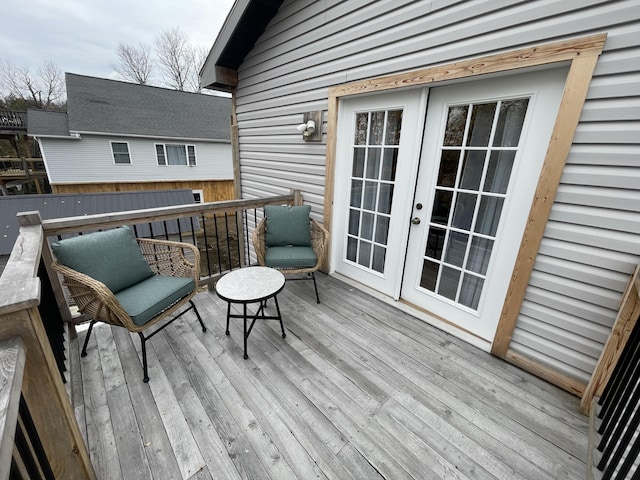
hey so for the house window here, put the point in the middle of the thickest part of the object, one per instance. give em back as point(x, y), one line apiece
point(174, 154)
point(198, 196)
point(120, 151)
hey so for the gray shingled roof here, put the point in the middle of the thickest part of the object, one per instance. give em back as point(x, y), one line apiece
point(41, 122)
point(108, 106)
point(72, 205)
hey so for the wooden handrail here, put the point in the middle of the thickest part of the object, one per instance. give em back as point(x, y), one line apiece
point(108, 220)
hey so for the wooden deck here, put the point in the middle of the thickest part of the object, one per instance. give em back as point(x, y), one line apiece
point(357, 390)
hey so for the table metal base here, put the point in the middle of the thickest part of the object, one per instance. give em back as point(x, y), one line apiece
point(259, 315)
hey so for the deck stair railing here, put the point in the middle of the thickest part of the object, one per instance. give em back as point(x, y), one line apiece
point(617, 418)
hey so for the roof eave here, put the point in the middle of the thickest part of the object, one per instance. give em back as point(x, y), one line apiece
point(246, 21)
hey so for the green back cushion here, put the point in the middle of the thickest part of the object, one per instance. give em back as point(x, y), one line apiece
point(112, 257)
point(287, 226)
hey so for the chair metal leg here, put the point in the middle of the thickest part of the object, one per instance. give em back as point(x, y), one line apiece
point(284, 335)
point(145, 379)
point(86, 339)
point(316, 287)
point(246, 334)
point(228, 316)
point(193, 305)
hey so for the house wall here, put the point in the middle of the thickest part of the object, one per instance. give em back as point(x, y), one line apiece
point(90, 160)
point(590, 245)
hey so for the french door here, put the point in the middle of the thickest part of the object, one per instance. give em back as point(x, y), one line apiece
point(461, 194)
point(374, 184)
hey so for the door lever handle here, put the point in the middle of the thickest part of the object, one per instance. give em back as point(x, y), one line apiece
point(415, 221)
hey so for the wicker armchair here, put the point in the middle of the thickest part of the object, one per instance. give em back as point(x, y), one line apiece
point(171, 282)
point(319, 242)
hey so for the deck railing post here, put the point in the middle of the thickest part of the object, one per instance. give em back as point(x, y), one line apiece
point(33, 218)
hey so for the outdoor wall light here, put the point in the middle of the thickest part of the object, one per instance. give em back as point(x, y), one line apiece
point(311, 127)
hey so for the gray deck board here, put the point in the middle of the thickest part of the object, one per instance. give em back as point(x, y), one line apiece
point(358, 389)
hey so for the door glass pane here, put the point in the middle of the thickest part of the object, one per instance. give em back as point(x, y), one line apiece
point(472, 168)
point(394, 122)
point(364, 255)
point(449, 279)
point(376, 128)
point(456, 123)
point(435, 242)
point(510, 122)
point(358, 162)
point(448, 168)
point(370, 195)
point(456, 248)
point(356, 193)
point(441, 206)
point(384, 199)
point(366, 230)
point(352, 249)
point(389, 164)
point(377, 262)
point(471, 291)
point(460, 243)
point(429, 276)
point(479, 255)
point(382, 229)
point(373, 170)
point(373, 163)
point(489, 215)
point(354, 222)
point(499, 171)
point(480, 125)
point(362, 121)
point(463, 213)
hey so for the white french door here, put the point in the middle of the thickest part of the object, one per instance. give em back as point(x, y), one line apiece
point(374, 184)
point(466, 172)
point(483, 149)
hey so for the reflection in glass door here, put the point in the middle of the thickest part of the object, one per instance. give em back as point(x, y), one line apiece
point(476, 159)
point(373, 174)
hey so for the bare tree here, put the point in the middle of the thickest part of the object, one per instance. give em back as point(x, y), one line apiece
point(43, 89)
point(199, 56)
point(175, 56)
point(134, 64)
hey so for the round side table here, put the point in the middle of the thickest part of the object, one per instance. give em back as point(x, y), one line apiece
point(251, 285)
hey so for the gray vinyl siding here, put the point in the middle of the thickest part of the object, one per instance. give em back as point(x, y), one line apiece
point(90, 160)
point(590, 245)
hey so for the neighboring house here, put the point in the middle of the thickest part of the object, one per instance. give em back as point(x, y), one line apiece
point(479, 162)
point(119, 136)
point(19, 163)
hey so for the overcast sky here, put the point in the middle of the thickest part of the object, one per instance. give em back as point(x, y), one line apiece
point(81, 36)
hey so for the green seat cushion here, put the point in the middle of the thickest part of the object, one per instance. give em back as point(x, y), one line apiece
point(112, 257)
point(290, 257)
point(144, 300)
point(287, 226)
